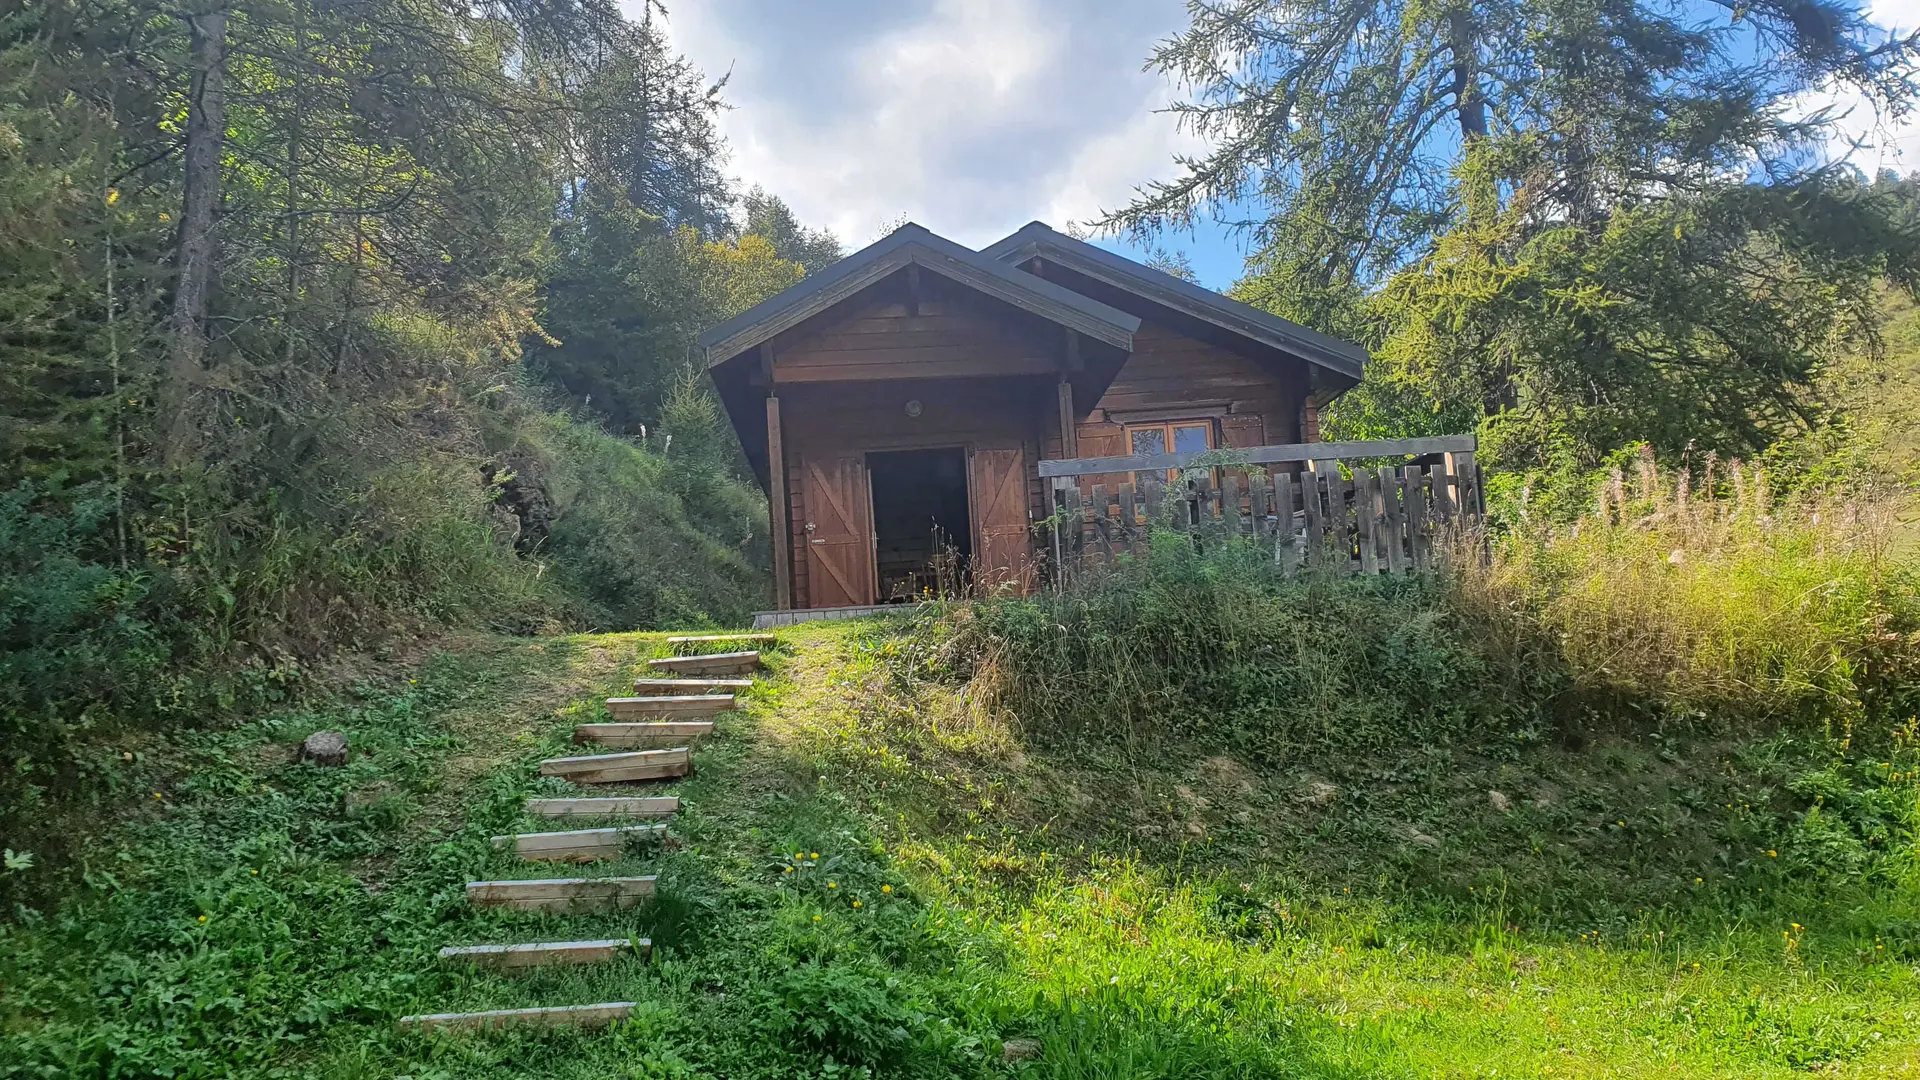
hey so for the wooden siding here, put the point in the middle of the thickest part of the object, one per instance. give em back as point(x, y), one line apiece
point(940, 337)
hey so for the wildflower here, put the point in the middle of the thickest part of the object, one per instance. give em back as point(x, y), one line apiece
point(1699, 881)
point(833, 884)
point(886, 888)
point(1772, 854)
point(856, 903)
point(816, 918)
point(156, 794)
point(789, 870)
point(113, 196)
point(256, 873)
point(203, 918)
point(816, 855)
point(796, 856)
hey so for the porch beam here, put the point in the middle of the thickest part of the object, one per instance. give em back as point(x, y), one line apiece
point(777, 508)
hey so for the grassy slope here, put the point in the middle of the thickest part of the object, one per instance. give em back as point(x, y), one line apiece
point(1147, 914)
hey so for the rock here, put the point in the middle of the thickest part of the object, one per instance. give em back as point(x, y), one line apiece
point(1415, 836)
point(1499, 801)
point(1320, 792)
point(1020, 1049)
point(325, 748)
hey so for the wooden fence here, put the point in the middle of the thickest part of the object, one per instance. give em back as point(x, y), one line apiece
point(1376, 519)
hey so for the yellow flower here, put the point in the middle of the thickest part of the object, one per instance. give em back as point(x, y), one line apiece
point(833, 884)
point(789, 869)
point(256, 873)
point(156, 794)
point(796, 856)
point(886, 888)
point(1698, 881)
point(815, 855)
point(113, 196)
point(203, 918)
point(816, 918)
point(1772, 854)
point(856, 903)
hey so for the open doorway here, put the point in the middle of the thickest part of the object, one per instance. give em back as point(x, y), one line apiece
point(922, 527)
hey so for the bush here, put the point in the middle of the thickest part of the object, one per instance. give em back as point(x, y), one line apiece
point(1221, 649)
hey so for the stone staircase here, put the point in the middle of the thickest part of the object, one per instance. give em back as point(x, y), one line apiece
point(668, 716)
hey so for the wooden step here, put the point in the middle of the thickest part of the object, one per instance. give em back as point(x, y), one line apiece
point(656, 733)
point(655, 806)
point(680, 687)
point(544, 953)
point(679, 707)
point(579, 845)
point(581, 1016)
point(562, 895)
point(728, 663)
point(613, 768)
point(715, 639)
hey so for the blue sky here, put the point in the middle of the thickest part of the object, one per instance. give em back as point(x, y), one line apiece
point(974, 117)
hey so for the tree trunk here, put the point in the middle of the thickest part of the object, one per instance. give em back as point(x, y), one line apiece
point(206, 132)
point(1470, 105)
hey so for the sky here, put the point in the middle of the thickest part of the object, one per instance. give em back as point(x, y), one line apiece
point(974, 117)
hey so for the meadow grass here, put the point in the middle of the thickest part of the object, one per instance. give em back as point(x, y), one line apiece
point(1143, 911)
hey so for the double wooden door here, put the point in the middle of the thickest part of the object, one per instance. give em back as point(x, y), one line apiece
point(838, 533)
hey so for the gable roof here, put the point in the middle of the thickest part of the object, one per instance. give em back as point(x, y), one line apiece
point(912, 244)
point(1036, 238)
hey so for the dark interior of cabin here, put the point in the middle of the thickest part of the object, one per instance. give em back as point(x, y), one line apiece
point(922, 530)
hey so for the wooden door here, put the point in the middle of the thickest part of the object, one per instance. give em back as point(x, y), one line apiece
point(839, 532)
point(1003, 548)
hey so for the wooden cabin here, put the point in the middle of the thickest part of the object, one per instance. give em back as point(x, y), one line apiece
point(895, 405)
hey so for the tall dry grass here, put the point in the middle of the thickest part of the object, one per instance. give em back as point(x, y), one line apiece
point(1707, 595)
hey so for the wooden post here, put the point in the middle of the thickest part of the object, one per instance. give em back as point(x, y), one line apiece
point(1365, 521)
point(1396, 521)
point(777, 509)
point(1069, 434)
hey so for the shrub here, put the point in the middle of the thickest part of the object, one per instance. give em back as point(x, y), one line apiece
point(1219, 648)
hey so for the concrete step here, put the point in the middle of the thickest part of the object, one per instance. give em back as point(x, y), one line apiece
point(655, 806)
point(545, 953)
point(562, 895)
point(683, 687)
point(614, 768)
point(733, 663)
point(579, 845)
point(580, 1016)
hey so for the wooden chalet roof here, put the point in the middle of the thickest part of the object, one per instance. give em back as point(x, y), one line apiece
point(1339, 357)
point(912, 244)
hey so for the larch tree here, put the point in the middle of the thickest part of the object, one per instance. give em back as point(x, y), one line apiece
point(1579, 223)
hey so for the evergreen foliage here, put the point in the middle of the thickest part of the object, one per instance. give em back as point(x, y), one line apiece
point(294, 294)
point(1581, 224)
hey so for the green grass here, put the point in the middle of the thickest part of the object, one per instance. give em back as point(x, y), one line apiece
point(1144, 910)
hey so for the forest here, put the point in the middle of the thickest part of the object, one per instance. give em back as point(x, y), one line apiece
point(326, 325)
point(348, 380)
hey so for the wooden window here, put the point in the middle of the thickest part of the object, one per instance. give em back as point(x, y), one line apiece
point(1169, 437)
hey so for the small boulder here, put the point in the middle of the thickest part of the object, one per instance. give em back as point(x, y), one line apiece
point(1320, 793)
point(1020, 1049)
point(325, 748)
point(1499, 802)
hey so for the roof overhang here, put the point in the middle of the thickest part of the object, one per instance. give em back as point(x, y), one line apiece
point(912, 245)
point(1341, 359)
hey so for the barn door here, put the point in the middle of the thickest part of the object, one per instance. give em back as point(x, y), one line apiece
point(839, 536)
point(1004, 549)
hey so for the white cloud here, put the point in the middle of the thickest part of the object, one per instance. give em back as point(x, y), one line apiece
point(1866, 138)
point(971, 117)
